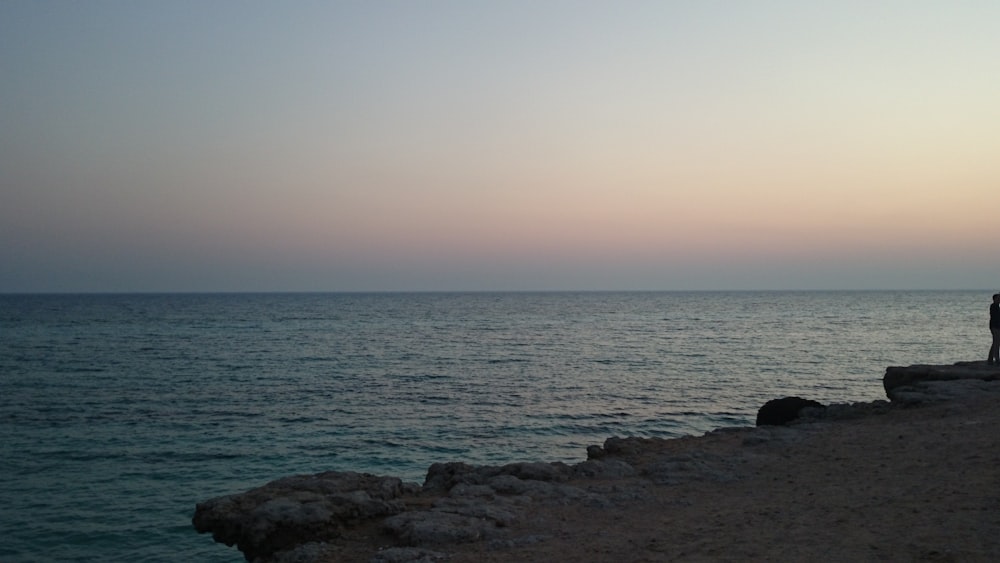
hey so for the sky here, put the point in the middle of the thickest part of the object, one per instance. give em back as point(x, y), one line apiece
point(476, 145)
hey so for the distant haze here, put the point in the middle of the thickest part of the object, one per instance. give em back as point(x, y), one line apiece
point(465, 145)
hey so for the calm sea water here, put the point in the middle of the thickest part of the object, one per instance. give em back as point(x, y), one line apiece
point(119, 412)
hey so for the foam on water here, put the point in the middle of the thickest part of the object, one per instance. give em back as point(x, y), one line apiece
point(119, 412)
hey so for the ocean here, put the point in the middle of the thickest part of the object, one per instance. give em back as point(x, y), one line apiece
point(118, 413)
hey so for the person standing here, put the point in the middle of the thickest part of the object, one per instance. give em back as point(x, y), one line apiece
point(994, 359)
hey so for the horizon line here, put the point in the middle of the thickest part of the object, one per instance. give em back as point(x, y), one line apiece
point(478, 291)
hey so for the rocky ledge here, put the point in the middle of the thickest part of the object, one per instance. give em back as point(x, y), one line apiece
point(522, 510)
point(928, 383)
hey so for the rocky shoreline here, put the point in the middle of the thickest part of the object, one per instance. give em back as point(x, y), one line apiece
point(816, 482)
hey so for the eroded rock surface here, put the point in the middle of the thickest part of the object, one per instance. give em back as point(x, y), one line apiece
point(496, 511)
point(297, 510)
point(924, 383)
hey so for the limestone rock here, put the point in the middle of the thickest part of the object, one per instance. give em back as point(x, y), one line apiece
point(909, 384)
point(600, 469)
point(408, 555)
point(304, 518)
point(939, 391)
point(296, 510)
point(431, 527)
point(535, 489)
point(305, 553)
point(500, 510)
point(616, 446)
point(518, 542)
point(690, 466)
point(442, 477)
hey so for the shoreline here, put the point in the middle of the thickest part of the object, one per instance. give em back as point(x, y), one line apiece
point(914, 479)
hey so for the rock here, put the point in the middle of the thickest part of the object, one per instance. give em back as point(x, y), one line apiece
point(296, 510)
point(499, 510)
point(519, 542)
point(939, 391)
point(535, 489)
point(305, 553)
point(472, 491)
point(616, 446)
point(763, 435)
point(408, 555)
point(848, 411)
point(304, 518)
point(599, 469)
point(779, 412)
point(538, 471)
point(690, 466)
point(429, 527)
point(900, 382)
point(443, 477)
point(480, 502)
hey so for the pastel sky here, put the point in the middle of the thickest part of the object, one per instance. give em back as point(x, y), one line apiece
point(499, 145)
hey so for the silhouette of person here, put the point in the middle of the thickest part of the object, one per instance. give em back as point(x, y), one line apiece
point(994, 359)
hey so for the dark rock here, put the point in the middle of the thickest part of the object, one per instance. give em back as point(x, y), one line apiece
point(305, 553)
point(408, 555)
point(779, 412)
point(691, 466)
point(598, 469)
point(932, 391)
point(432, 527)
point(472, 491)
point(441, 477)
point(519, 542)
point(846, 411)
point(901, 382)
point(623, 447)
point(296, 510)
point(499, 510)
point(535, 489)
